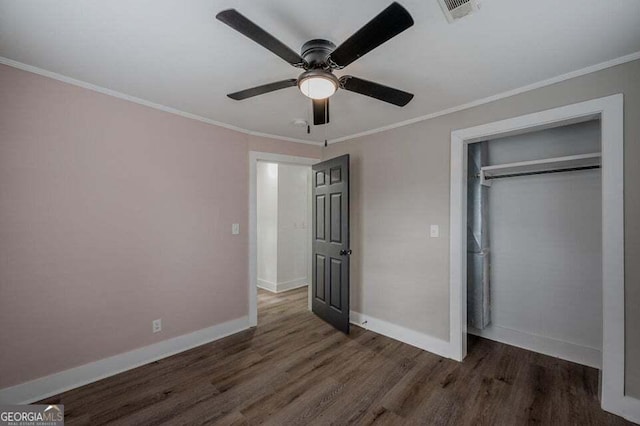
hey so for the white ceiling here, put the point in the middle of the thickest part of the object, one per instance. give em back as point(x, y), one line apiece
point(175, 53)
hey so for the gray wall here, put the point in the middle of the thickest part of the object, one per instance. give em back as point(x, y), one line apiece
point(400, 185)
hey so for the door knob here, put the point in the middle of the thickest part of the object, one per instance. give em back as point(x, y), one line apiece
point(345, 252)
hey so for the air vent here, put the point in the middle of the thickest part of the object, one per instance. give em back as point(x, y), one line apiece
point(456, 9)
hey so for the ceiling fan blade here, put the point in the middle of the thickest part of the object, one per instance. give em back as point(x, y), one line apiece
point(375, 90)
point(240, 23)
point(386, 25)
point(320, 111)
point(261, 90)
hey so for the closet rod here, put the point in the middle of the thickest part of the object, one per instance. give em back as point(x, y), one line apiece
point(542, 172)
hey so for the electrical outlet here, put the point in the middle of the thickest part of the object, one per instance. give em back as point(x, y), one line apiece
point(435, 231)
point(156, 326)
point(235, 228)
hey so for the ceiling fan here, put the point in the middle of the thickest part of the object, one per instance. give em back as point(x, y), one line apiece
point(319, 58)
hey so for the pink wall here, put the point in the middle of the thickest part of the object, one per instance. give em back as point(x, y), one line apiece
point(113, 214)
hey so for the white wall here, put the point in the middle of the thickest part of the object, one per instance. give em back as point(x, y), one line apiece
point(293, 229)
point(546, 248)
point(283, 240)
point(267, 223)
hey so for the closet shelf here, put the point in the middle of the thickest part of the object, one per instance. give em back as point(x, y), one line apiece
point(547, 165)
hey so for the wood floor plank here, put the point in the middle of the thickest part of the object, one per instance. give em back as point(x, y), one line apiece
point(295, 369)
point(370, 387)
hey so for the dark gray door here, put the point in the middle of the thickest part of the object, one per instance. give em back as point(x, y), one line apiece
point(330, 272)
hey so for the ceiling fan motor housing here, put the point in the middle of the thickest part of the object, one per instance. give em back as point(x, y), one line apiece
point(316, 52)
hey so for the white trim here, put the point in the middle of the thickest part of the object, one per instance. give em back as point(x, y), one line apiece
point(402, 334)
point(267, 285)
point(568, 351)
point(584, 71)
point(610, 111)
point(44, 387)
point(578, 73)
point(310, 233)
point(140, 101)
point(254, 157)
point(292, 284)
point(457, 236)
point(626, 407)
point(283, 286)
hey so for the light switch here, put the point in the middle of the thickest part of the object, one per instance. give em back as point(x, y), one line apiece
point(235, 228)
point(435, 231)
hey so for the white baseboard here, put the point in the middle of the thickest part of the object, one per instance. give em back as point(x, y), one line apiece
point(545, 345)
point(626, 407)
point(267, 285)
point(291, 285)
point(405, 335)
point(44, 387)
point(283, 286)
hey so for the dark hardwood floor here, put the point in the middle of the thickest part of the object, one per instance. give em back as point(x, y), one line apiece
point(294, 369)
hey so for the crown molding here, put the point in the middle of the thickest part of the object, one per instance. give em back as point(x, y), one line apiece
point(573, 74)
point(584, 71)
point(124, 96)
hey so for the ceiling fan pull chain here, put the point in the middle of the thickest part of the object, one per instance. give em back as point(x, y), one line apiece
point(325, 135)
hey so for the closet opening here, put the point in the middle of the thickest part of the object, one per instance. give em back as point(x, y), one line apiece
point(534, 241)
point(532, 232)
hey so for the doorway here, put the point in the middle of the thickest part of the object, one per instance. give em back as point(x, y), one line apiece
point(296, 267)
point(283, 226)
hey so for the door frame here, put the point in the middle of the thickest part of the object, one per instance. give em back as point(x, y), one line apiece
point(254, 157)
point(610, 112)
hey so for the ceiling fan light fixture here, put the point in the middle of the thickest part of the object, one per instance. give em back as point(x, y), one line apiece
point(317, 84)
